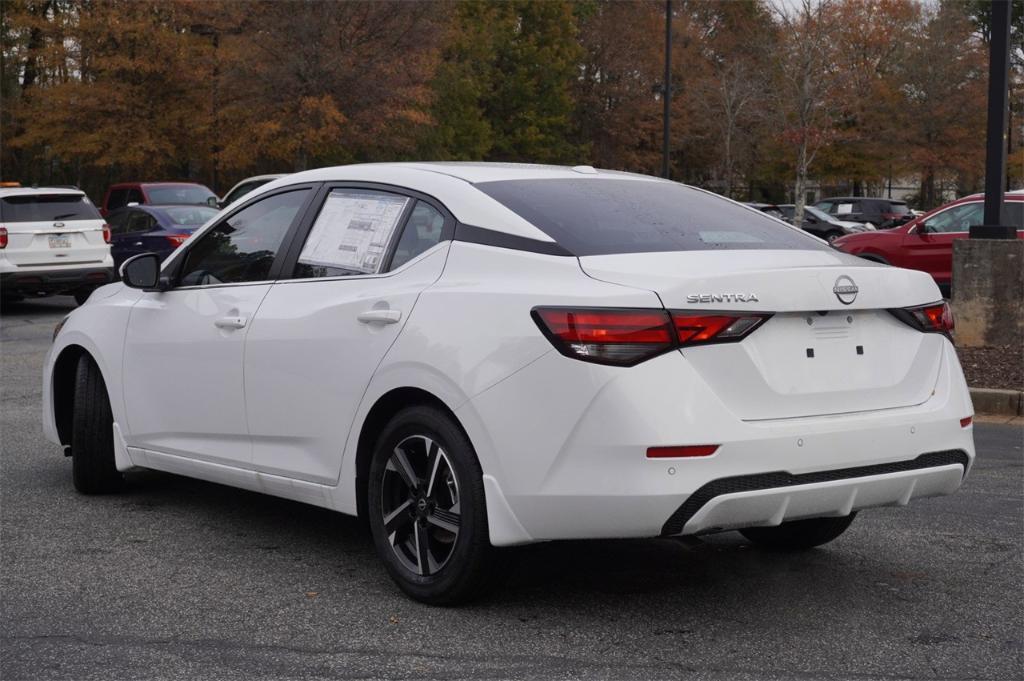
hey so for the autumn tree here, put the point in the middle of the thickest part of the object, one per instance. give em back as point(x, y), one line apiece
point(621, 66)
point(808, 80)
point(944, 96)
point(736, 43)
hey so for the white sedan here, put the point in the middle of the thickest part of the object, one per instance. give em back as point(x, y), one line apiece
point(473, 356)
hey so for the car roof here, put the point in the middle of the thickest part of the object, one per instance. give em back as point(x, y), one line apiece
point(1013, 195)
point(451, 182)
point(859, 198)
point(121, 185)
point(151, 207)
point(49, 191)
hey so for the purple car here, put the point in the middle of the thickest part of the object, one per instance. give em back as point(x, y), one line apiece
point(153, 229)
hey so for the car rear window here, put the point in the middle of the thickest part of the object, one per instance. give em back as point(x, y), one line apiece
point(179, 194)
point(605, 216)
point(189, 216)
point(47, 208)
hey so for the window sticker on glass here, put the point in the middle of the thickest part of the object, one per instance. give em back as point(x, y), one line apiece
point(353, 230)
point(844, 208)
point(723, 237)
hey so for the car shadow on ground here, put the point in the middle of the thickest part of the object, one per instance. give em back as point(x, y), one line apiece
point(33, 307)
point(604, 573)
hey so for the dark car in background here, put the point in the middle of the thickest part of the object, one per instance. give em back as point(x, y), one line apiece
point(767, 209)
point(926, 243)
point(882, 213)
point(823, 225)
point(153, 229)
point(155, 193)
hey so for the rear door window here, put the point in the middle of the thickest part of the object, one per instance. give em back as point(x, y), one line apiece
point(604, 216)
point(351, 233)
point(422, 232)
point(1013, 214)
point(47, 208)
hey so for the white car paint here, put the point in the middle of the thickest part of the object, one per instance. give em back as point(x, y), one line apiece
point(278, 403)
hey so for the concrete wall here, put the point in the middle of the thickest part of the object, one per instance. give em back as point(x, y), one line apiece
point(988, 291)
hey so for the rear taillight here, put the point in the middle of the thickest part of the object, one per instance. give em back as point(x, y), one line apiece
point(3, 237)
point(606, 335)
point(698, 329)
point(177, 239)
point(624, 337)
point(933, 318)
point(106, 234)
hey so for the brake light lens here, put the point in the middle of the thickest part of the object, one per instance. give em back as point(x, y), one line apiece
point(106, 234)
point(966, 421)
point(933, 318)
point(621, 337)
point(625, 337)
point(697, 329)
point(178, 239)
point(3, 237)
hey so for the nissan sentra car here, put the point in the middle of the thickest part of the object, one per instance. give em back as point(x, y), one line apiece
point(474, 356)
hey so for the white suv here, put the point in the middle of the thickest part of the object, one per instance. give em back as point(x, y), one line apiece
point(52, 241)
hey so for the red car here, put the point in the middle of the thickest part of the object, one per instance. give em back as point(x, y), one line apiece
point(142, 193)
point(926, 243)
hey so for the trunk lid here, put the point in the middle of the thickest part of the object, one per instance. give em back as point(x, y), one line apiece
point(831, 346)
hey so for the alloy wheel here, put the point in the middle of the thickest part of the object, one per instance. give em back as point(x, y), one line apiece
point(420, 505)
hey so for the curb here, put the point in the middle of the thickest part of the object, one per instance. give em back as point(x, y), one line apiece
point(998, 402)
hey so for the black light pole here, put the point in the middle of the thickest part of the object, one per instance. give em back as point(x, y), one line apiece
point(666, 90)
point(998, 100)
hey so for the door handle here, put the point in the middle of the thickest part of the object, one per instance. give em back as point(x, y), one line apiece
point(380, 316)
point(230, 322)
point(137, 243)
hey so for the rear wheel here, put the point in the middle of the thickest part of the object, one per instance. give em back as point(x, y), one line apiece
point(799, 534)
point(426, 508)
point(92, 433)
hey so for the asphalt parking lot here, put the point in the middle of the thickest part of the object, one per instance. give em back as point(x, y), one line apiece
point(184, 579)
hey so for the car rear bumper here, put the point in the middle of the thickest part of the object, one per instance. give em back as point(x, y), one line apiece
point(572, 461)
point(55, 280)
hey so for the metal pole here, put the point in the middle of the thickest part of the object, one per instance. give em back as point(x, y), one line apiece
point(998, 100)
point(666, 90)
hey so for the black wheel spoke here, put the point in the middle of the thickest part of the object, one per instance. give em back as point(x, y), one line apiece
point(422, 549)
point(398, 518)
point(433, 464)
point(446, 520)
point(399, 463)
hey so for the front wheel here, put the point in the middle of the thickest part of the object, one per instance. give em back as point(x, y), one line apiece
point(92, 433)
point(799, 534)
point(425, 501)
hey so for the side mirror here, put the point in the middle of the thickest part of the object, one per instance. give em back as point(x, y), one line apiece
point(213, 202)
point(142, 271)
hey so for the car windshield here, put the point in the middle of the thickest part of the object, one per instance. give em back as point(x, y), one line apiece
point(818, 214)
point(189, 216)
point(604, 216)
point(47, 208)
point(180, 193)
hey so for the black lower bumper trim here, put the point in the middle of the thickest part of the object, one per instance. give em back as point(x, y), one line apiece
point(759, 481)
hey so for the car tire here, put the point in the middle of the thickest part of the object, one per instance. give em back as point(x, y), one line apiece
point(831, 236)
point(92, 433)
point(799, 534)
point(82, 295)
point(426, 509)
